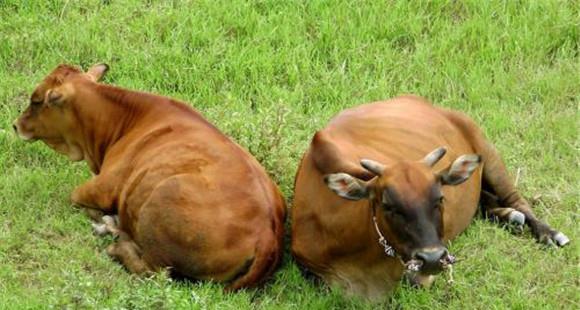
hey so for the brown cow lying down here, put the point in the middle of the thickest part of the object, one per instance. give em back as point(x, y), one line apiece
point(418, 185)
point(188, 198)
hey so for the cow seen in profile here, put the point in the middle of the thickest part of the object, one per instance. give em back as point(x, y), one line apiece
point(187, 197)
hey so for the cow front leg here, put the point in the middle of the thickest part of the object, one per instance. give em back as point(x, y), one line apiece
point(97, 195)
point(108, 224)
point(94, 214)
point(541, 230)
point(497, 181)
point(494, 211)
point(97, 199)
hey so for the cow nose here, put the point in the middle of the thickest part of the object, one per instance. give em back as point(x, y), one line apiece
point(431, 257)
point(14, 127)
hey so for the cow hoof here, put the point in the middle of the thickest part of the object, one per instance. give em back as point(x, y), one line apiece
point(100, 229)
point(108, 225)
point(546, 235)
point(110, 220)
point(111, 223)
point(517, 217)
point(561, 239)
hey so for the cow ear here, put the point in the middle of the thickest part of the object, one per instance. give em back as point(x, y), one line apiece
point(97, 71)
point(461, 169)
point(347, 186)
point(54, 97)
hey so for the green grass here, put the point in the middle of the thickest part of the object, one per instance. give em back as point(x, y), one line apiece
point(269, 74)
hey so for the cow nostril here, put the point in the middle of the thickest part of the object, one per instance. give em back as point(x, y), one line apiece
point(431, 256)
point(15, 128)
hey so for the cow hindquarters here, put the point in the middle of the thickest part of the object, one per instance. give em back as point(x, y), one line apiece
point(186, 227)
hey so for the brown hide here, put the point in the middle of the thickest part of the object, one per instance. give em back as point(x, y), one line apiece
point(335, 237)
point(188, 197)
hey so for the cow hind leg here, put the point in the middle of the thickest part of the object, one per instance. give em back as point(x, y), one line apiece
point(128, 253)
point(510, 205)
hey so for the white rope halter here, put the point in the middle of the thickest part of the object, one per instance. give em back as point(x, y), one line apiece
point(389, 250)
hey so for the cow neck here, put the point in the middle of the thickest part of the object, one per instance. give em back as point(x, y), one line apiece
point(389, 249)
point(107, 118)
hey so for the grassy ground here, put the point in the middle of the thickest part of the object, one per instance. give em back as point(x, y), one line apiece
point(270, 73)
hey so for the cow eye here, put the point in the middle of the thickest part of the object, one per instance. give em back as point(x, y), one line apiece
point(387, 207)
point(440, 201)
point(35, 103)
point(393, 211)
point(398, 213)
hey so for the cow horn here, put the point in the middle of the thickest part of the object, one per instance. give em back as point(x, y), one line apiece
point(372, 166)
point(432, 158)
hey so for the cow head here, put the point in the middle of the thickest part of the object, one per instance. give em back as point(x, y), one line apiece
point(409, 200)
point(49, 116)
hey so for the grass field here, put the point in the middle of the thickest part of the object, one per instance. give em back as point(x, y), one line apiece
point(269, 74)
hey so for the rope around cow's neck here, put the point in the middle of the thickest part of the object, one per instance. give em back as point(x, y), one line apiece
point(389, 250)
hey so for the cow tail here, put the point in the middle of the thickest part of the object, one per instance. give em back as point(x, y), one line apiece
point(265, 261)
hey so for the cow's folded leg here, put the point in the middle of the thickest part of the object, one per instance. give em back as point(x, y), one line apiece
point(495, 212)
point(97, 200)
point(94, 214)
point(128, 253)
point(97, 194)
point(542, 231)
point(498, 182)
point(107, 225)
point(100, 229)
point(519, 211)
point(511, 219)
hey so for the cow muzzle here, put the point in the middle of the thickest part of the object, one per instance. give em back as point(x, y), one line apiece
point(430, 260)
point(20, 133)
